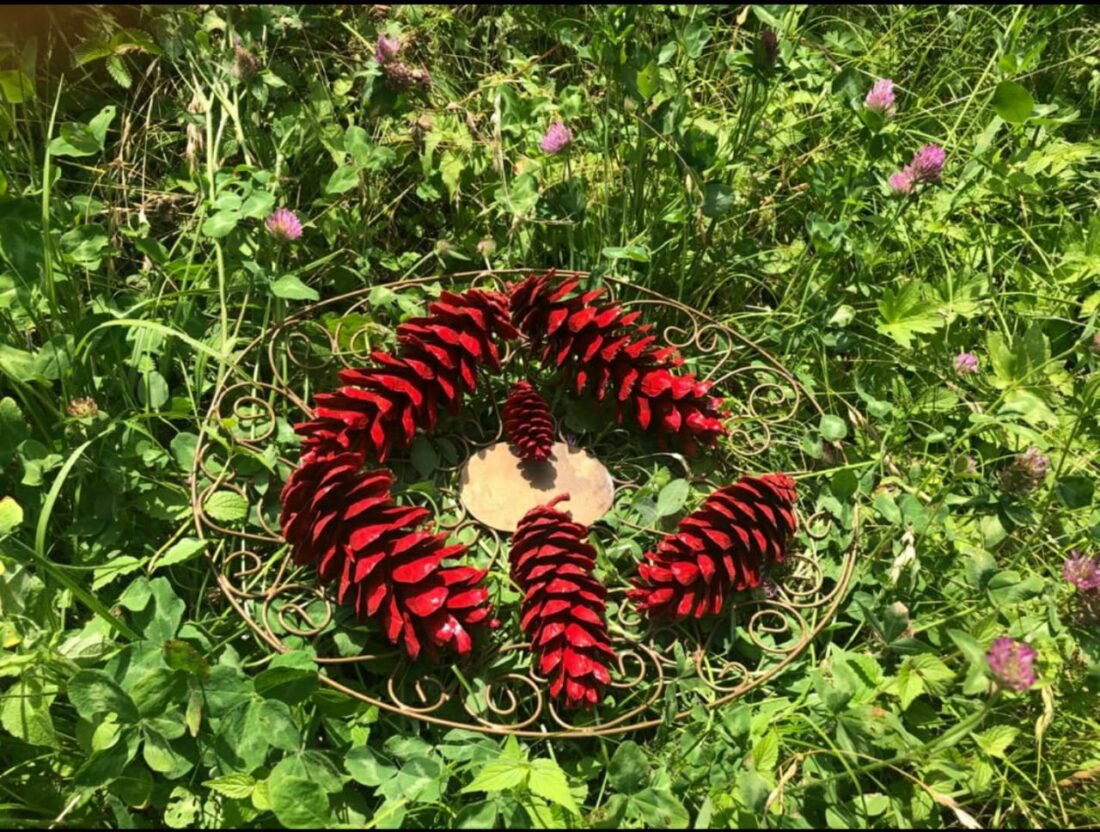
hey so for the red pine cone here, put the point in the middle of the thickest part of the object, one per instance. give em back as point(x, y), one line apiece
point(343, 520)
point(601, 346)
point(528, 422)
point(380, 408)
point(738, 533)
point(563, 604)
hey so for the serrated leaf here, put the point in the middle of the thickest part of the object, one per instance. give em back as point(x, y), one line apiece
point(765, 753)
point(548, 781)
point(498, 776)
point(907, 312)
point(996, 740)
point(226, 507)
point(118, 72)
point(237, 786)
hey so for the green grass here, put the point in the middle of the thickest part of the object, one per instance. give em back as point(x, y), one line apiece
point(136, 170)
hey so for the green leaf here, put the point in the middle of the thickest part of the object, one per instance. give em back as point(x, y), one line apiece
point(16, 87)
point(548, 781)
point(629, 768)
point(1012, 102)
point(1074, 492)
point(833, 428)
point(219, 224)
point(717, 200)
point(154, 690)
point(342, 180)
point(13, 427)
point(179, 655)
point(660, 809)
point(11, 515)
point(182, 550)
point(83, 139)
point(696, 35)
point(226, 506)
point(996, 740)
point(765, 753)
point(290, 287)
point(907, 312)
point(95, 694)
point(291, 677)
point(367, 767)
point(357, 144)
point(647, 80)
point(424, 458)
point(237, 786)
point(639, 254)
point(299, 803)
point(672, 497)
point(25, 713)
point(498, 776)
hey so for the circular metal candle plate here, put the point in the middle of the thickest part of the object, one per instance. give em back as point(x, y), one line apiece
point(498, 488)
point(759, 638)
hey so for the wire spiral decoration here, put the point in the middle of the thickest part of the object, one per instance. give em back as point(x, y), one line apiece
point(246, 447)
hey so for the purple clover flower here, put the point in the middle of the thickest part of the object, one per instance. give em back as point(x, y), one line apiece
point(1082, 571)
point(557, 138)
point(966, 363)
point(284, 225)
point(881, 97)
point(1011, 663)
point(386, 49)
point(927, 163)
point(901, 183)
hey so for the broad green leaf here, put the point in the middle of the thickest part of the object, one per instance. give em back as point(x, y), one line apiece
point(290, 287)
point(498, 776)
point(95, 694)
point(907, 312)
point(548, 781)
point(219, 224)
point(672, 497)
point(25, 713)
point(629, 768)
point(1012, 102)
point(647, 80)
point(342, 180)
point(182, 550)
point(765, 753)
point(996, 740)
point(237, 786)
point(16, 87)
point(226, 506)
point(11, 515)
point(83, 139)
point(366, 766)
point(299, 803)
point(833, 428)
point(660, 809)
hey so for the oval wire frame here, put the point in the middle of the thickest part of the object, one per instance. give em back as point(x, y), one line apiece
point(281, 602)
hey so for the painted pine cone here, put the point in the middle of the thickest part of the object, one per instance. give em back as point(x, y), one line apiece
point(563, 609)
point(604, 350)
point(528, 423)
point(728, 544)
point(379, 408)
point(343, 520)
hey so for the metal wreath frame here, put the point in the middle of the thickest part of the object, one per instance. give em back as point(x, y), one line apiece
point(664, 670)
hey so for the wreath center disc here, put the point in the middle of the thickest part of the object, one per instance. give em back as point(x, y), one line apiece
point(498, 487)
